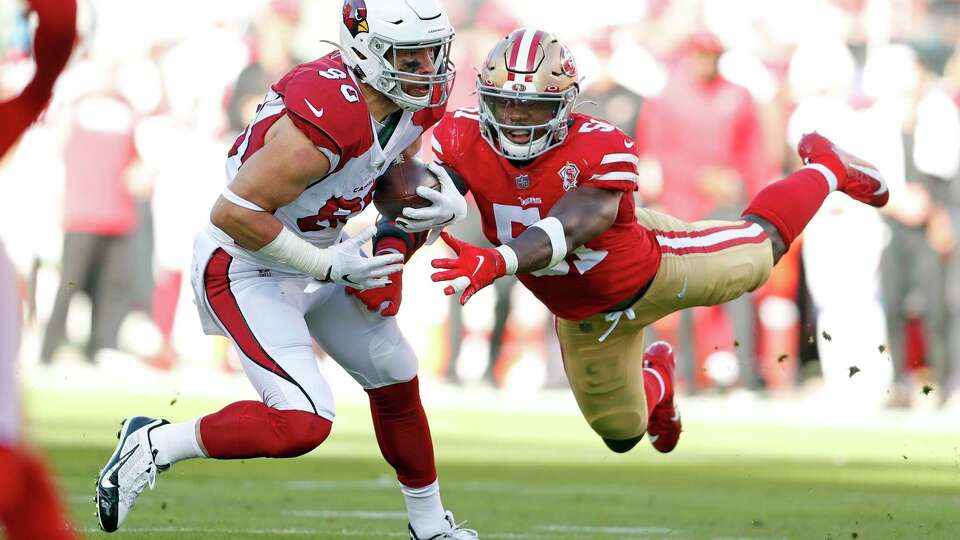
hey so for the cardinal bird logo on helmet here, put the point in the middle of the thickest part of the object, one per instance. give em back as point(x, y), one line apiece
point(355, 17)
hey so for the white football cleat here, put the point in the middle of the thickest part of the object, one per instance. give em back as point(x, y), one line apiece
point(130, 469)
point(455, 531)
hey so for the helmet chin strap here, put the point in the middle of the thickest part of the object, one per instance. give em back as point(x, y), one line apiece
point(529, 150)
point(412, 105)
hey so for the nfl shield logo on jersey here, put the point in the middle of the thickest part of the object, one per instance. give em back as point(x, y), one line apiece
point(523, 181)
point(569, 174)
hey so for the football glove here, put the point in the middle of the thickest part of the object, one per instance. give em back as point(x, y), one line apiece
point(448, 206)
point(384, 300)
point(473, 269)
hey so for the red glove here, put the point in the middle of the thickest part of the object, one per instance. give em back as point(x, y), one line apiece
point(385, 300)
point(474, 269)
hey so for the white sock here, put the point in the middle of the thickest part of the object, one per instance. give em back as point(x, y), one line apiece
point(425, 509)
point(176, 442)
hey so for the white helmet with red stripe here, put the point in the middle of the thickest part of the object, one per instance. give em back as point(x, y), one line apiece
point(374, 32)
point(528, 86)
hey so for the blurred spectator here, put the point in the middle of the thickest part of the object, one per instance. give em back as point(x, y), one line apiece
point(704, 134)
point(950, 380)
point(849, 322)
point(615, 103)
point(491, 327)
point(100, 217)
point(920, 229)
point(271, 56)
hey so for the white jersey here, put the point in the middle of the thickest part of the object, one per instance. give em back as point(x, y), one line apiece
point(325, 103)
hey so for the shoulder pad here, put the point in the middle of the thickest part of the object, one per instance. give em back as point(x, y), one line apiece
point(610, 153)
point(322, 95)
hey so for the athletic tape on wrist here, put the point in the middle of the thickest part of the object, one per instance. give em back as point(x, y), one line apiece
point(240, 201)
point(290, 249)
point(558, 239)
point(510, 258)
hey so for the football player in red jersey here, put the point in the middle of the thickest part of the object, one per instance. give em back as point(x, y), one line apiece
point(554, 189)
point(273, 270)
point(29, 507)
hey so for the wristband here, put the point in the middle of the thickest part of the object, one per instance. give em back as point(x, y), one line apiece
point(510, 258)
point(558, 239)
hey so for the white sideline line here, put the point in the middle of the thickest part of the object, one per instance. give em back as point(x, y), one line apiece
point(481, 486)
point(357, 514)
point(605, 530)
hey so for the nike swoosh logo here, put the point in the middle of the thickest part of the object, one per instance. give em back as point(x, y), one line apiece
point(629, 144)
point(317, 113)
point(107, 481)
point(480, 259)
point(683, 291)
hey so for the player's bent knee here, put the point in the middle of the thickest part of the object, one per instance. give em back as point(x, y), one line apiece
point(620, 425)
point(298, 432)
point(777, 243)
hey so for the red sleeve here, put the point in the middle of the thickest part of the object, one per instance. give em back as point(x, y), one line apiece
point(445, 144)
point(326, 110)
point(612, 162)
point(56, 34)
point(317, 136)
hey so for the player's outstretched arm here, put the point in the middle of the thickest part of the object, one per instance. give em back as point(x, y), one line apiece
point(273, 177)
point(580, 215)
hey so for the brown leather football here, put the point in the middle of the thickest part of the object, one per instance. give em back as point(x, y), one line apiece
point(397, 188)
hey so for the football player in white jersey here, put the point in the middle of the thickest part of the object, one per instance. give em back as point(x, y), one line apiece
point(274, 270)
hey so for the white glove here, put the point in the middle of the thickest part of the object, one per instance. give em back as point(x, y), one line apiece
point(341, 263)
point(349, 265)
point(448, 206)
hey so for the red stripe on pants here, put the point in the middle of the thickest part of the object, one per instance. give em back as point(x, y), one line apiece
point(216, 282)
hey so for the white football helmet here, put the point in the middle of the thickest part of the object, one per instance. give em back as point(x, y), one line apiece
point(372, 33)
point(528, 87)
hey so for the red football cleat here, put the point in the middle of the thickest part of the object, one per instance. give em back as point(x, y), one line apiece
point(664, 427)
point(855, 177)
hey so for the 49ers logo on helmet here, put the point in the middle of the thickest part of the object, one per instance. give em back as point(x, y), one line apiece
point(567, 63)
point(355, 17)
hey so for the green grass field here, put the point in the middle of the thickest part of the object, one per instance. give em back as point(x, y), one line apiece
point(528, 476)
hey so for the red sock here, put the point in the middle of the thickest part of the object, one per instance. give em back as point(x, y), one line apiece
point(789, 204)
point(656, 390)
point(403, 432)
point(29, 507)
point(250, 429)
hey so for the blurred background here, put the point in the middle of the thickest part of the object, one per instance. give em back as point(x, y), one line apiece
point(100, 201)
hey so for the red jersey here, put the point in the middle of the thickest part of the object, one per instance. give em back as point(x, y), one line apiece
point(607, 270)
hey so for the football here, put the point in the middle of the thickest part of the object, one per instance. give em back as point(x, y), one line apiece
point(397, 188)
